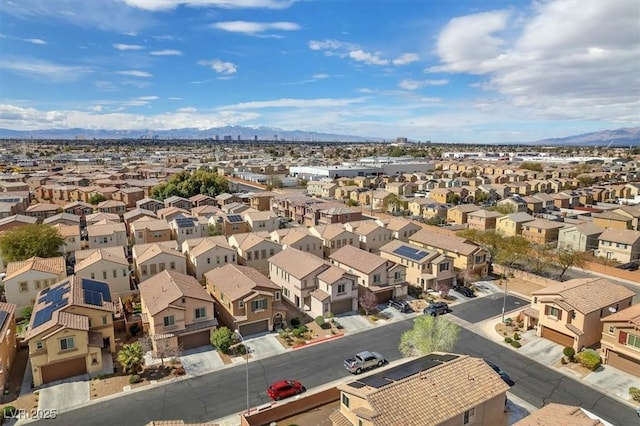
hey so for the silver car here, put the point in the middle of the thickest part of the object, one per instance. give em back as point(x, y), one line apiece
point(363, 361)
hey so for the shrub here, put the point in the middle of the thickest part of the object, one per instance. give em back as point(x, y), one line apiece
point(635, 393)
point(320, 320)
point(295, 322)
point(508, 321)
point(589, 359)
point(361, 311)
point(299, 332)
point(563, 361)
point(282, 333)
point(516, 344)
point(222, 338)
point(508, 340)
point(569, 352)
point(134, 329)
point(373, 318)
point(328, 315)
point(516, 336)
point(180, 371)
point(134, 378)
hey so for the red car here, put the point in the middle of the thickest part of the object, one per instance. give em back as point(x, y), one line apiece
point(285, 389)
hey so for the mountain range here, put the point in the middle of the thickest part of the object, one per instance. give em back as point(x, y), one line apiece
point(623, 137)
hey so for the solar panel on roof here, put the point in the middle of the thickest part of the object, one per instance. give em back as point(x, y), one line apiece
point(184, 222)
point(410, 252)
point(98, 287)
point(235, 218)
point(3, 318)
point(356, 385)
point(92, 298)
point(42, 316)
point(376, 381)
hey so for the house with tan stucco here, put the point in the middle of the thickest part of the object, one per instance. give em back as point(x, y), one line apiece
point(106, 266)
point(205, 254)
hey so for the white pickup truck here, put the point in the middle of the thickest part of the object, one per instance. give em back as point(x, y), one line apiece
point(363, 361)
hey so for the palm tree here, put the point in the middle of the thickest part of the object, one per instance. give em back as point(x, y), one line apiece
point(131, 357)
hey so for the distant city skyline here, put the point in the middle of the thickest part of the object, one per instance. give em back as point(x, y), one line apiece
point(463, 71)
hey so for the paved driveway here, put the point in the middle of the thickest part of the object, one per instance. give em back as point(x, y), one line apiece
point(64, 395)
point(265, 345)
point(353, 322)
point(482, 308)
point(202, 360)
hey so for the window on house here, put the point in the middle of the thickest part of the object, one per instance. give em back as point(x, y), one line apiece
point(469, 416)
point(24, 286)
point(376, 278)
point(104, 320)
point(161, 267)
point(201, 313)
point(341, 288)
point(259, 305)
point(209, 260)
point(115, 273)
point(397, 275)
point(93, 276)
point(39, 346)
point(172, 265)
point(553, 312)
point(66, 344)
point(612, 329)
point(443, 267)
point(345, 400)
point(37, 284)
point(633, 340)
point(169, 321)
point(124, 272)
point(104, 275)
point(240, 304)
point(276, 295)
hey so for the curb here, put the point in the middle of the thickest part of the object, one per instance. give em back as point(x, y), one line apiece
point(317, 341)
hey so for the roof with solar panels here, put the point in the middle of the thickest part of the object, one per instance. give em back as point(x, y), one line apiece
point(52, 306)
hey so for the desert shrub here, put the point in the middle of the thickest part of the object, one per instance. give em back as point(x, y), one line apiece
point(361, 311)
point(563, 361)
point(516, 344)
point(134, 378)
point(508, 340)
point(299, 332)
point(295, 322)
point(569, 352)
point(516, 336)
point(320, 320)
point(589, 359)
point(508, 321)
point(282, 333)
point(373, 318)
point(634, 392)
point(180, 371)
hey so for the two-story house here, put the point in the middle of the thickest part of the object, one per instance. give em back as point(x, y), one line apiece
point(150, 259)
point(106, 266)
point(254, 250)
point(205, 254)
point(261, 220)
point(371, 234)
point(582, 237)
point(542, 231)
point(107, 234)
point(299, 238)
point(334, 236)
point(380, 276)
point(563, 314)
point(482, 220)
point(458, 214)
point(147, 230)
point(247, 300)
point(401, 228)
point(71, 330)
point(620, 343)
point(511, 224)
point(8, 344)
point(150, 204)
point(186, 227)
point(622, 245)
point(27, 277)
point(177, 312)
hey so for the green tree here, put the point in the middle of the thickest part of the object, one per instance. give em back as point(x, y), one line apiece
point(97, 199)
point(429, 334)
point(222, 338)
point(215, 230)
point(351, 203)
point(26, 313)
point(505, 208)
point(274, 182)
point(453, 198)
point(26, 241)
point(131, 358)
point(186, 184)
point(513, 251)
point(567, 258)
point(392, 202)
point(539, 257)
point(491, 240)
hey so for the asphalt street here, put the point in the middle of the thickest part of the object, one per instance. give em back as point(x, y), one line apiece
point(487, 307)
point(222, 393)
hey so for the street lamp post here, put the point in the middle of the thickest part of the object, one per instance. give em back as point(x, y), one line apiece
point(246, 350)
point(504, 299)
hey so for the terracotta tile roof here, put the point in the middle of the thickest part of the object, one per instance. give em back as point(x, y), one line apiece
point(450, 243)
point(150, 224)
point(338, 419)
point(167, 287)
point(484, 213)
point(42, 207)
point(587, 295)
point(624, 236)
point(554, 414)
point(544, 224)
point(113, 251)
point(320, 295)
point(438, 394)
point(298, 264)
point(611, 216)
point(237, 281)
point(97, 217)
point(147, 252)
point(630, 315)
point(333, 274)
point(99, 255)
point(50, 265)
point(358, 259)
point(210, 243)
point(105, 229)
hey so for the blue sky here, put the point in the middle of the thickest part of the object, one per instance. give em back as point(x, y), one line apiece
point(446, 71)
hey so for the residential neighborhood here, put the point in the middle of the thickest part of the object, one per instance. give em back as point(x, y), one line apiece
point(511, 250)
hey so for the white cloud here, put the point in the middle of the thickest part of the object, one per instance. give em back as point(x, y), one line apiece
point(34, 40)
point(220, 67)
point(187, 109)
point(174, 98)
point(320, 76)
point(331, 45)
point(43, 69)
point(148, 98)
point(246, 27)
point(406, 59)
point(567, 59)
point(166, 52)
point(296, 103)
point(157, 5)
point(136, 73)
point(368, 58)
point(124, 47)
point(419, 84)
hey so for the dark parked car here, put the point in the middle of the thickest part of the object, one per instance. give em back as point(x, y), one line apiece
point(436, 308)
point(465, 291)
point(504, 376)
point(285, 389)
point(400, 305)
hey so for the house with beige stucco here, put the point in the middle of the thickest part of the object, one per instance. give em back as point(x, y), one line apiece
point(401, 228)
point(622, 245)
point(71, 330)
point(511, 225)
point(27, 277)
point(246, 300)
point(620, 342)
point(258, 221)
point(300, 239)
point(205, 254)
point(106, 266)
point(371, 234)
point(107, 234)
point(147, 230)
point(254, 250)
point(8, 344)
point(151, 259)
point(187, 227)
point(177, 313)
point(71, 238)
point(334, 236)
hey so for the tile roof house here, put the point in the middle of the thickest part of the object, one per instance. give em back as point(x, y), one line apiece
point(542, 231)
point(27, 277)
point(582, 237)
point(186, 227)
point(179, 202)
point(371, 234)
point(150, 204)
point(99, 217)
point(380, 276)
point(71, 236)
point(177, 312)
point(401, 228)
point(300, 239)
point(70, 328)
point(8, 345)
point(62, 218)
point(107, 234)
point(458, 214)
point(620, 343)
point(466, 255)
point(612, 220)
point(425, 269)
point(254, 250)
point(113, 207)
point(150, 259)
point(42, 211)
point(147, 230)
point(261, 220)
point(554, 414)
point(569, 313)
point(246, 300)
point(444, 389)
point(108, 267)
point(622, 245)
point(334, 236)
point(482, 220)
point(511, 224)
point(136, 214)
point(205, 254)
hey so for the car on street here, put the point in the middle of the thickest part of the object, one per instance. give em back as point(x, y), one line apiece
point(465, 291)
point(436, 308)
point(363, 361)
point(401, 305)
point(504, 376)
point(284, 389)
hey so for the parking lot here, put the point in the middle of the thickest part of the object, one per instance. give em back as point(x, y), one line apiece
point(482, 308)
